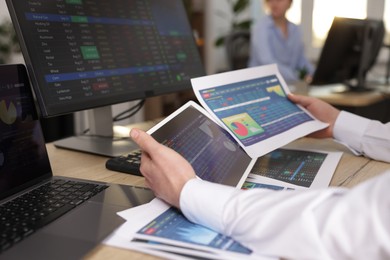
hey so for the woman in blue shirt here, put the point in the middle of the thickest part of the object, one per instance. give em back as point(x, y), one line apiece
point(276, 40)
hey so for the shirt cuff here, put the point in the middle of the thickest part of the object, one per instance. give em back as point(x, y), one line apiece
point(203, 202)
point(349, 129)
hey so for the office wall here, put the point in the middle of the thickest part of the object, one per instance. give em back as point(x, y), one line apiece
point(217, 23)
point(214, 26)
point(4, 16)
point(3, 11)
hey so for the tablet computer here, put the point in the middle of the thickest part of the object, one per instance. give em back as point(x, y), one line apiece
point(213, 153)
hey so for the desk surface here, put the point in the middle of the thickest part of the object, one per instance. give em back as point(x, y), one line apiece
point(333, 94)
point(350, 171)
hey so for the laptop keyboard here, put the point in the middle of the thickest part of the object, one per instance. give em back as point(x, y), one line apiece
point(24, 215)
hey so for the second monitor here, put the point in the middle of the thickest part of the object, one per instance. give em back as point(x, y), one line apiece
point(349, 52)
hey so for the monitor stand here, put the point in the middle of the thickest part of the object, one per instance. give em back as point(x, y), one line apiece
point(100, 140)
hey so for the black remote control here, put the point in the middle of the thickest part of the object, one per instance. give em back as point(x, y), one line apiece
point(129, 163)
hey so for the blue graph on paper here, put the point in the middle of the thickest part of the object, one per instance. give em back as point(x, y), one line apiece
point(173, 225)
point(254, 110)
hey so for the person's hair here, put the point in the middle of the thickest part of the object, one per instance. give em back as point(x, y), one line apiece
point(268, 0)
point(265, 4)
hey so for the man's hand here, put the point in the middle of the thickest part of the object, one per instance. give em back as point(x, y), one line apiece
point(321, 110)
point(165, 170)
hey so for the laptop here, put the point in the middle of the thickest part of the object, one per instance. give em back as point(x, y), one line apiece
point(61, 218)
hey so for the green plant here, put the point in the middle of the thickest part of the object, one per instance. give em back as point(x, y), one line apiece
point(8, 41)
point(237, 7)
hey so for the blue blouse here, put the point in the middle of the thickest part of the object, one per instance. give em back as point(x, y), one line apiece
point(268, 45)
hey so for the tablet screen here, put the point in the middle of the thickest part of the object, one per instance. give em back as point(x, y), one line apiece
point(212, 152)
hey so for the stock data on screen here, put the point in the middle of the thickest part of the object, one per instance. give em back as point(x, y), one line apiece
point(91, 50)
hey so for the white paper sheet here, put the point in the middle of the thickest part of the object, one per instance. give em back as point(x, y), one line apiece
point(295, 170)
point(252, 105)
point(145, 216)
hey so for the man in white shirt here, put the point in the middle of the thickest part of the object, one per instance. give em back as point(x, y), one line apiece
point(333, 223)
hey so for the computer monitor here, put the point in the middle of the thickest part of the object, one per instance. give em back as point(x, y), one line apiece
point(88, 55)
point(350, 50)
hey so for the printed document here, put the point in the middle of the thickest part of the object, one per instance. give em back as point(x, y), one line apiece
point(252, 105)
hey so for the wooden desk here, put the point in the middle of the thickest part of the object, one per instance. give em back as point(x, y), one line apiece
point(350, 171)
point(352, 99)
point(333, 94)
point(371, 104)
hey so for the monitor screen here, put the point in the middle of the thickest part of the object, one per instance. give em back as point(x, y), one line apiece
point(350, 50)
point(84, 54)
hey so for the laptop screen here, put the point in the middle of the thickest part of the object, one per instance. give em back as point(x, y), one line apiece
point(23, 156)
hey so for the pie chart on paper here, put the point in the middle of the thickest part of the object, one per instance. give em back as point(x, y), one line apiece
point(8, 112)
point(240, 129)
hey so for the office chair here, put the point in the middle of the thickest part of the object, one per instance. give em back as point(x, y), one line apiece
point(237, 49)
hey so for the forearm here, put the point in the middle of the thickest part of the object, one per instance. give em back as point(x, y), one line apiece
point(268, 222)
point(368, 137)
point(297, 225)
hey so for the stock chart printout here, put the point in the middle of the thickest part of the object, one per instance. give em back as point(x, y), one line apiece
point(158, 227)
point(253, 105)
point(291, 166)
point(293, 169)
point(172, 225)
point(252, 185)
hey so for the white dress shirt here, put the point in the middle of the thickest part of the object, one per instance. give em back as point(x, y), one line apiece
point(368, 137)
point(333, 223)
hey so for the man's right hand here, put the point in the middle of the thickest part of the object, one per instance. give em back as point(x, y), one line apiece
point(165, 171)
